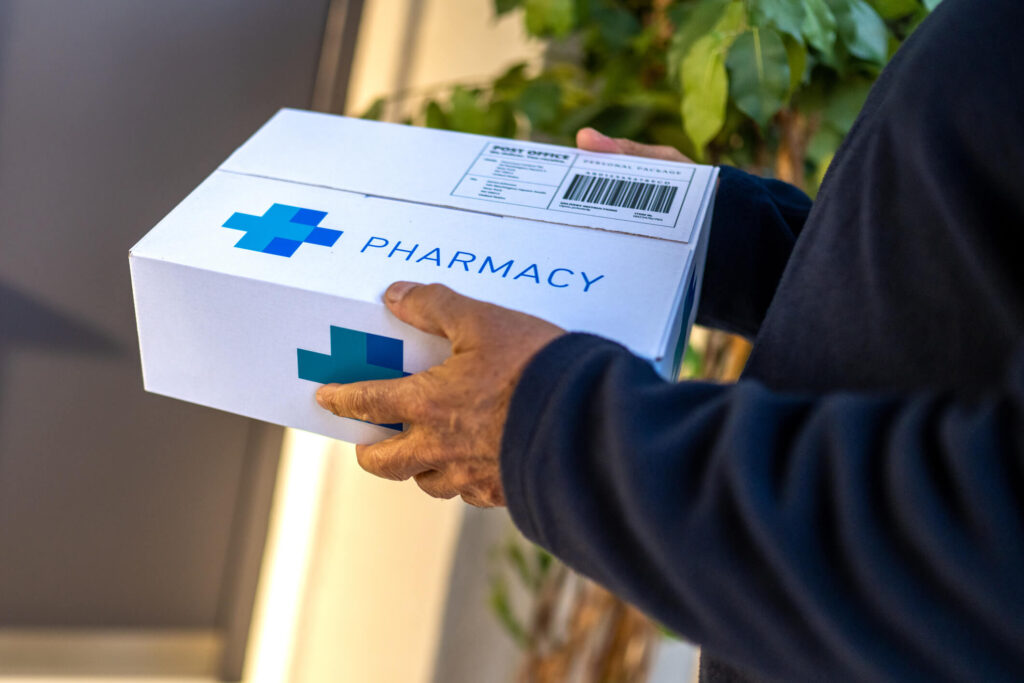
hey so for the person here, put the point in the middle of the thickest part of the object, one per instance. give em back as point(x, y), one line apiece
point(853, 507)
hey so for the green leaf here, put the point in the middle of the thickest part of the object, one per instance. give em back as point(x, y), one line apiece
point(758, 74)
point(895, 9)
point(796, 56)
point(862, 30)
point(550, 17)
point(540, 101)
point(504, 6)
point(435, 117)
point(501, 120)
point(517, 558)
point(844, 103)
point(512, 82)
point(578, 117)
point(678, 13)
point(693, 363)
point(823, 144)
point(819, 173)
point(471, 113)
point(466, 113)
point(700, 21)
point(733, 21)
point(502, 608)
point(705, 81)
point(544, 561)
point(705, 90)
point(616, 26)
point(695, 24)
point(619, 121)
point(785, 15)
point(376, 110)
point(819, 27)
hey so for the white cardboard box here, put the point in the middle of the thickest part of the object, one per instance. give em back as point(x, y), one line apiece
point(285, 251)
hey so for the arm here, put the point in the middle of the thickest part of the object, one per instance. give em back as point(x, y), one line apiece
point(755, 224)
point(754, 227)
point(843, 536)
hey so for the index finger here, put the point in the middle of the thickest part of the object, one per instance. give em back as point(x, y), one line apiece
point(384, 401)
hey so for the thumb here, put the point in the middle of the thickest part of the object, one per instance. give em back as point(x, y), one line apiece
point(435, 309)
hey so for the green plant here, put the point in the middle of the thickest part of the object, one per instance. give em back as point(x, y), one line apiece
point(768, 85)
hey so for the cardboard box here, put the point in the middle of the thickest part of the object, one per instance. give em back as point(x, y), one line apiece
point(267, 279)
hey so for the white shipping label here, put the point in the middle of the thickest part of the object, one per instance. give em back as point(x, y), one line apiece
point(621, 189)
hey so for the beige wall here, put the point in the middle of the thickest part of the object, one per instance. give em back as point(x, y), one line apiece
point(414, 45)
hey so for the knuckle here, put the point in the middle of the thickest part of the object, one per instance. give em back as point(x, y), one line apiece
point(366, 456)
point(377, 462)
point(419, 407)
point(474, 500)
point(433, 484)
point(363, 457)
point(347, 401)
point(461, 480)
point(366, 403)
point(386, 468)
point(436, 290)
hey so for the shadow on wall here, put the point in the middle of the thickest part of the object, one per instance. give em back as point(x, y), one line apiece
point(28, 323)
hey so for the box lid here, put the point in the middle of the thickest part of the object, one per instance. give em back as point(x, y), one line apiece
point(489, 175)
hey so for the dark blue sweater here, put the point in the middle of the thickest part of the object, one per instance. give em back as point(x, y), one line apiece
point(853, 508)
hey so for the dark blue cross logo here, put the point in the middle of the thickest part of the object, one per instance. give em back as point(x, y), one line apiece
point(282, 229)
point(355, 357)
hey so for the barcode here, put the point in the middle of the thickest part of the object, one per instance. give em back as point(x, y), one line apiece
point(623, 193)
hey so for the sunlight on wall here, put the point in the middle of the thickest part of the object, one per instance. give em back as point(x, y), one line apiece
point(413, 45)
point(286, 560)
point(355, 574)
point(374, 606)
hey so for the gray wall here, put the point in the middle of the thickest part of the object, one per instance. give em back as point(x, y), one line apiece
point(118, 508)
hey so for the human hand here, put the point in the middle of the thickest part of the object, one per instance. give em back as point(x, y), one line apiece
point(593, 141)
point(454, 413)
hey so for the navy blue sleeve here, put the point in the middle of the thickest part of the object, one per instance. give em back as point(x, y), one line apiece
point(834, 537)
point(754, 226)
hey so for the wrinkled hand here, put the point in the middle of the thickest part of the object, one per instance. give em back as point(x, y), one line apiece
point(454, 413)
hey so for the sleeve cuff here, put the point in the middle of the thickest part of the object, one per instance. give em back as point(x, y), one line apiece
point(530, 405)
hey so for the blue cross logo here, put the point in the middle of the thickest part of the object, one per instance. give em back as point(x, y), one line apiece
point(355, 357)
point(282, 229)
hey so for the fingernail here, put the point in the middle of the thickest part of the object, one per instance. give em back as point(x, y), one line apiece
point(322, 396)
point(397, 291)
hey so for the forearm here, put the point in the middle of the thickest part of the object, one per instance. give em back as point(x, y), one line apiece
point(805, 537)
point(754, 228)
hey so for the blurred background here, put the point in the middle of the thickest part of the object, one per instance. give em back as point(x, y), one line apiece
point(143, 538)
